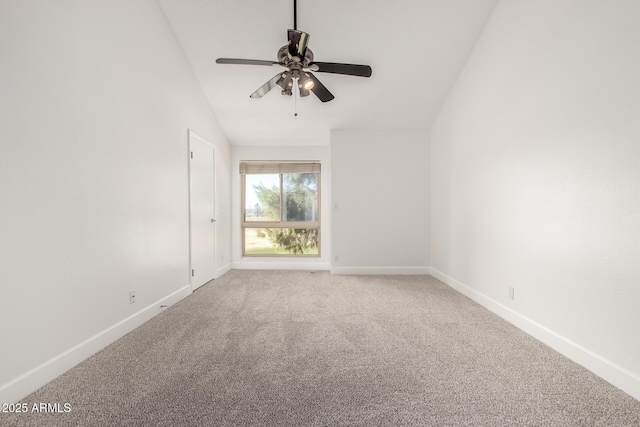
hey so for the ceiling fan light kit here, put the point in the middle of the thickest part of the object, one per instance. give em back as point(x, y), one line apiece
point(297, 58)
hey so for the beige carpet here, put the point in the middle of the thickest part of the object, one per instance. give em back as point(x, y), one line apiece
point(280, 348)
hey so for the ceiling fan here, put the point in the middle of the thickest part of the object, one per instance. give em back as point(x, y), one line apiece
point(298, 61)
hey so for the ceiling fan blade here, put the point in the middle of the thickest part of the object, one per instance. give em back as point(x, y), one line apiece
point(338, 68)
point(262, 90)
point(298, 41)
point(245, 62)
point(320, 90)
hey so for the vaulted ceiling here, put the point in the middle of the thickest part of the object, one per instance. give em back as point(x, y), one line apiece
point(415, 47)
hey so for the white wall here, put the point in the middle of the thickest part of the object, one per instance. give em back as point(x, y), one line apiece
point(241, 153)
point(536, 178)
point(380, 202)
point(97, 98)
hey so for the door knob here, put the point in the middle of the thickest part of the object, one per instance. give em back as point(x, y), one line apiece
point(212, 220)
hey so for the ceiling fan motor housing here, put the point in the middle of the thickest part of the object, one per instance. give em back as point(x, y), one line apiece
point(296, 50)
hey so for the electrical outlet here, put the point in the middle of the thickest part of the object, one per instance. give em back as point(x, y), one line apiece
point(511, 292)
point(132, 296)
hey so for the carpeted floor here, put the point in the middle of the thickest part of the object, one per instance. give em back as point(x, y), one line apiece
point(278, 348)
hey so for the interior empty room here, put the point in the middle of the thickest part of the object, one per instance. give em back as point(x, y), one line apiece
point(291, 212)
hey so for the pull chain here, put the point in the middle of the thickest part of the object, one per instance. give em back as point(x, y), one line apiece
point(295, 103)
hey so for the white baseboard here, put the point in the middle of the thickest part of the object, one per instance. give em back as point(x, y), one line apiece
point(32, 380)
point(616, 375)
point(409, 271)
point(223, 270)
point(278, 265)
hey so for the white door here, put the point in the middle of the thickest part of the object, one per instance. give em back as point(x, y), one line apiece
point(201, 210)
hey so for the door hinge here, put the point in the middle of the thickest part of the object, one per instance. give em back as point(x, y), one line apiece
point(193, 272)
point(192, 154)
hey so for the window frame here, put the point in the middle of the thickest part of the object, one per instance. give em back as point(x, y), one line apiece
point(282, 167)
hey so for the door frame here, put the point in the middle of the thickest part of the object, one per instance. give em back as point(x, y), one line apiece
point(192, 137)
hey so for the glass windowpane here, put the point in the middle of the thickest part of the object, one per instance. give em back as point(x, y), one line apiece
point(300, 197)
point(262, 197)
point(280, 241)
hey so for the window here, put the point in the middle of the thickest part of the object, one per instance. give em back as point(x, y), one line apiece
point(281, 208)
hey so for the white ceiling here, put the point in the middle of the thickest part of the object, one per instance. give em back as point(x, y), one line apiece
point(415, 47)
